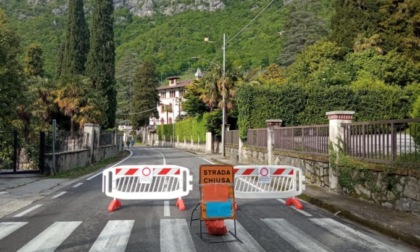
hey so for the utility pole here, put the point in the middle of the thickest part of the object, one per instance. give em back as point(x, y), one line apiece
point(224, 95)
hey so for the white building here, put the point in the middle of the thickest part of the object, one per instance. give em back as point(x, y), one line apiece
point(171, 100)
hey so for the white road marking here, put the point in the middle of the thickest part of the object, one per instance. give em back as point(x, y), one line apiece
point(345, 232)
point(94, 176)
point(114, 237)
point(294, 236)
point(51, 238)
point(58, 195)
point(7, 228)
point(166, 209)
point(3, 192)
point(100, 173)
point(248, 243)
point(175, 236)
point(77, 185)
point(28, 210)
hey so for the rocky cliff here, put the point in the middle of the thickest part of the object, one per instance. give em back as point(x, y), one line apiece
point(145, 8)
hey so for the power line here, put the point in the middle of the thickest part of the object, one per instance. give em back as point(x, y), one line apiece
point(246, 26)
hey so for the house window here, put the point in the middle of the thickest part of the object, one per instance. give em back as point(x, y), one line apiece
point(162, 121)
point(172, 93)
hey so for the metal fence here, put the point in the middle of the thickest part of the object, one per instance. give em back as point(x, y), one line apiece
point(257, 137)
point(232, 137)
point(306, 139)
point(384, 141)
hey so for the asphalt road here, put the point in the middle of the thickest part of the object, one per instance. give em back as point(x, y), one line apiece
point(76, 219)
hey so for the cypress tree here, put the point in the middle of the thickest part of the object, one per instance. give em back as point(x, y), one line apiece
point(145, 95)
point(76, 45)
point(101, 58)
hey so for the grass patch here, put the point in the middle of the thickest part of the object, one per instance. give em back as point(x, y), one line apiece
point(81, 171)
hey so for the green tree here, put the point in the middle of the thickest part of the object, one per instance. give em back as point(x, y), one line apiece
point(401, 29)
point(11, 77)
point(101, 58)
point(33, 65)
point(145, 95)
point(193, 105)
point(76, 44)
point(303, 28)
point(125, 73)
point(354, 19)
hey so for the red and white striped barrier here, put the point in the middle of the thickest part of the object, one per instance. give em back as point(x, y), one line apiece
point(146, 182)
point(269, 182)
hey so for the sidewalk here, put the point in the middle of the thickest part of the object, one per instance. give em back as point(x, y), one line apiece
point(18, 191)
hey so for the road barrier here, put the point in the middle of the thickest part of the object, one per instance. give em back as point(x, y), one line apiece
point(269, 182)
point(146, 182)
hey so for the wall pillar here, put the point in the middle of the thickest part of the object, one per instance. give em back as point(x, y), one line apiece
point(271, 125)
point(209, 142)
point(93, 139)
point(336, 135)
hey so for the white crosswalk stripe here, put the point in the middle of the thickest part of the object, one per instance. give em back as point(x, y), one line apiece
point(294, 236)
point(351, 235)
point(175, 235)
point(51, 238)
point(7, 228)
point(248, 243)
point(109, 240)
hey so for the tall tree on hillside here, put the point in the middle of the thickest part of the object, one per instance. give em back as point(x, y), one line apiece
point(303, 28)
point(145, 95)
point(401, 29)
point(75, 48)
point(125, 72)
point(354, 19)
point(101, 58)
point(10, 75)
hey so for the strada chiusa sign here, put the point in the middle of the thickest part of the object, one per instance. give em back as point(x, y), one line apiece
point(216, 174)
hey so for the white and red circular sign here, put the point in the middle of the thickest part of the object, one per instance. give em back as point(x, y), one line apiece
point(146, 171)
point(264, 171)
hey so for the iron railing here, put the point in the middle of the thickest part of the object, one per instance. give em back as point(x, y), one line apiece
point(383, 141)
point(306, 139)
point(232, 137)
point(257, 137)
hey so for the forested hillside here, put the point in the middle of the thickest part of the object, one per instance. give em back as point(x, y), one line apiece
point(170, 41)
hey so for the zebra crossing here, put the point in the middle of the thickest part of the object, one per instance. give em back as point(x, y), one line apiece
point(178, 235)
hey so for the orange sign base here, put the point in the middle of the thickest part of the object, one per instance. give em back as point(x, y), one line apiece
point(216, 227)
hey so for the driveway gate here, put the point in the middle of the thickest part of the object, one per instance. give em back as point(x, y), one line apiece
point(21, 155)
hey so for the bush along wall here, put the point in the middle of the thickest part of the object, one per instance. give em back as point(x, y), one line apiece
point(193, 128)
